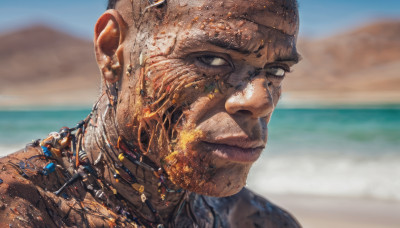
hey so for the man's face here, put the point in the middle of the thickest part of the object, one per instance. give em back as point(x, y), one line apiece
point(206, 83)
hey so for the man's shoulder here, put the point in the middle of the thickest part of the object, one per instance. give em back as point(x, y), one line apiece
point(28, 198)
point(10, 172)
point(23, 153)
point(18, 196)
point(247, 209)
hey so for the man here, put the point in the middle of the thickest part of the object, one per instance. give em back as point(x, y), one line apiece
point(188, 88)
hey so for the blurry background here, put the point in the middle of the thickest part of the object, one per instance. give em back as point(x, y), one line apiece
point(334, 142)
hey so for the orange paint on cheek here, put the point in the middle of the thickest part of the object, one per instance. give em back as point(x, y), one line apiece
point(188, 136)
point(188, 167)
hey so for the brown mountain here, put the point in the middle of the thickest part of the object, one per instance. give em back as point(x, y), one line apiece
point(362, 65)
point(41, 66)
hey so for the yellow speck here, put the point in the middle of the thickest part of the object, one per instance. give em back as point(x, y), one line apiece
point(138, 187)
point(188, 136)
point(187, 169)
point(171, 158)
point(121, 157)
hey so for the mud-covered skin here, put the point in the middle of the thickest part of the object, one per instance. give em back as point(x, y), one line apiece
point(163, 47)
point(247, 209)
point(29, 202)
point(191, 86)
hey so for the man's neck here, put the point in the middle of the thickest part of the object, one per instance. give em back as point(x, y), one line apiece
point(147, 191)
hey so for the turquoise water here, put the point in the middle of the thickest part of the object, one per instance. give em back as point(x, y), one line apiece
point(363, 131)
point(337, 131)
point(19, 127)
point(325, 151)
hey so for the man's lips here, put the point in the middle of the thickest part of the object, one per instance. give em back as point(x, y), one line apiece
point(235, 149)
point(238, 141)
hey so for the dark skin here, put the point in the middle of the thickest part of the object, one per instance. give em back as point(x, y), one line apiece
point(191, 86)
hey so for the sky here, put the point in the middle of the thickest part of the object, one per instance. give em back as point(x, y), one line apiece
point(318, 18)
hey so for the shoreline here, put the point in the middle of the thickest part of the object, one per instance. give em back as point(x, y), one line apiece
point(344, 212)
point(282, 105)
point(27, 99)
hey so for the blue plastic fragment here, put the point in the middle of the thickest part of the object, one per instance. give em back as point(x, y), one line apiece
point(46, 151)
point(1, 181)
point(49, 168)
point(65, 195)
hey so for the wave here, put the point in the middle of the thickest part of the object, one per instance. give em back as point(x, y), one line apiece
point(8, 149)
point(350, 175)
point(345, 176)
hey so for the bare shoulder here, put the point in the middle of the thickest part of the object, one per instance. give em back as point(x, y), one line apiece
point(247, 209)
point(20, 203)
point(28, 198)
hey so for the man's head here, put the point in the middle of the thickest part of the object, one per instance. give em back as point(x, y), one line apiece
point(196, 82)
point(111, 4)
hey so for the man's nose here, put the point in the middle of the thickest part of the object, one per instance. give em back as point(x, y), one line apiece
point(254, 99)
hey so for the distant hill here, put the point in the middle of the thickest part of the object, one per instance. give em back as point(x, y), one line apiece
point(41, 66)
point(362, 65)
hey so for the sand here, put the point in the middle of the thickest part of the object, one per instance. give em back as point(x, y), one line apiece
point(335, 212)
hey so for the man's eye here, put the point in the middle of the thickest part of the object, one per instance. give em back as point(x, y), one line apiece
point(276, 71)
point(213, 60)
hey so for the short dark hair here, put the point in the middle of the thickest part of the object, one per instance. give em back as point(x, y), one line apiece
point(111, 4)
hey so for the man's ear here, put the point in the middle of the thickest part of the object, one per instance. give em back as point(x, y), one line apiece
point(109, 35)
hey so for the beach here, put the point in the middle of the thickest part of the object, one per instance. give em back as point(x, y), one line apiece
point(328, 166)
point(333, 153)
point(336, 212)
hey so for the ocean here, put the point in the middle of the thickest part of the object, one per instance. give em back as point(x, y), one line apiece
point(345, 152)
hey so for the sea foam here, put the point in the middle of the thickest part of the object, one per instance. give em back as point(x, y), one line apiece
point(344, 176)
